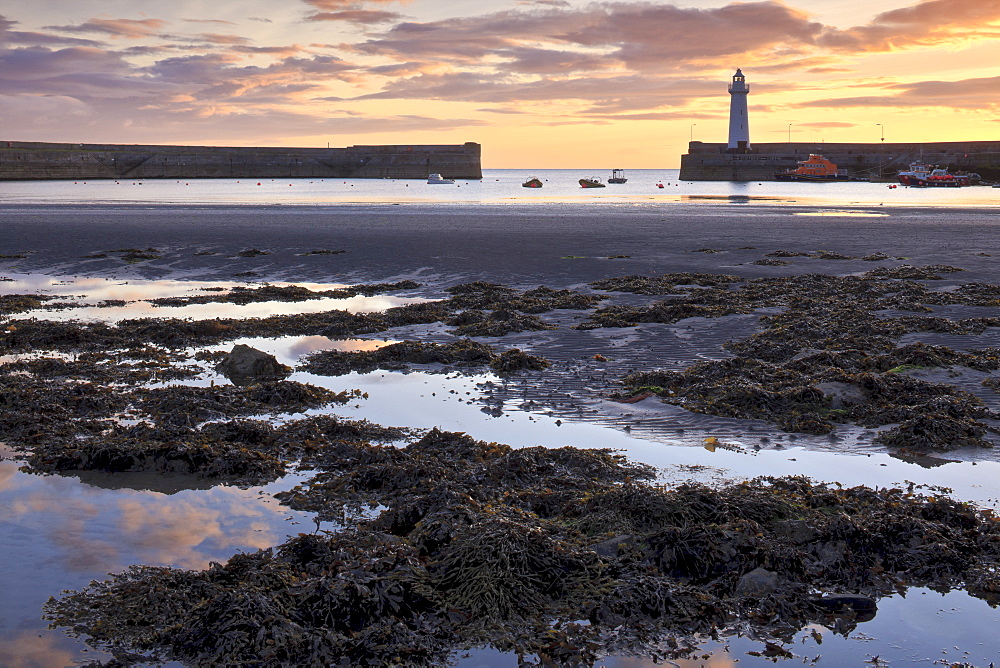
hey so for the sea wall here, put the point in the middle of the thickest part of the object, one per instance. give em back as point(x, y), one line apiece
point(878, 162)
point(20, 161)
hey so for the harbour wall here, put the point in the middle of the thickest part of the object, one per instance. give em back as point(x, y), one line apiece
point(23, 161)
point(877, 162)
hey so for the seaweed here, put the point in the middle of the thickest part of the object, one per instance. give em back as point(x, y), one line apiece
point(457, 560)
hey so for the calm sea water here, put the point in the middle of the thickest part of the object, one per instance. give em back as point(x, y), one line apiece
point(498, 186)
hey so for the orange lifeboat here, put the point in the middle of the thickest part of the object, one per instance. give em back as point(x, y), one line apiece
point(815, 168)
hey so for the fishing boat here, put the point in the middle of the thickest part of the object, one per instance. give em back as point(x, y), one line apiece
point(920, 175)
point(617, 176)
point(533, 182)
point(815, 168)
point(437, 178)
point(592, 182)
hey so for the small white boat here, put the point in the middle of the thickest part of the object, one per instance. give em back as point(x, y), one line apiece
point(437, 178)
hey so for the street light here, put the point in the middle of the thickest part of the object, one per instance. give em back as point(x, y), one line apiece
point(692, 131)
point(789, 133)
point(881, 157)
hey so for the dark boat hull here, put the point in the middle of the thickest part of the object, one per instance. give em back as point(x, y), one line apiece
point(919, 182)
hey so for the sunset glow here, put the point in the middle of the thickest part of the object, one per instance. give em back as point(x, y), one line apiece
point(539, 83)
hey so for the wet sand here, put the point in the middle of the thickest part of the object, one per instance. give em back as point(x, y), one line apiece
point(557, 245)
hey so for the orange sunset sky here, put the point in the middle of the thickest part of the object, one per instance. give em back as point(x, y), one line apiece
point(539, 83)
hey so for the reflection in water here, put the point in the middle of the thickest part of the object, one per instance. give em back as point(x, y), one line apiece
point(843, 214)
point(93, 291)
point(60, 533)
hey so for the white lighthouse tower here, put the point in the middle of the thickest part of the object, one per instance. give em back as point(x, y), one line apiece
point(739, 123)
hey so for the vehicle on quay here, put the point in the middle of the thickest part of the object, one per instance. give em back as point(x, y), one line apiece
point(815, 168)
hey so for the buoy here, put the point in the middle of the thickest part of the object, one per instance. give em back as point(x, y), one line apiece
point(258, 184)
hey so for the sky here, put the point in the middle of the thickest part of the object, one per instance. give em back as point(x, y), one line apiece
point(539, 83)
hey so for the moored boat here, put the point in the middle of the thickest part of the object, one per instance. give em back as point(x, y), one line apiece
point(592, 182)
point(814, 168)
point(617, 176)
point(533, 182)
point(437, 178)
point(921, 175)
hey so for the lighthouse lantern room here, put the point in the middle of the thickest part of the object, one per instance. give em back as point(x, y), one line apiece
point(739, 123)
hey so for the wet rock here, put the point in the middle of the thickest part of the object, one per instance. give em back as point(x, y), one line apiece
point(244, 365)
point(611, 547)
point(842, 394)
point(758, 582)
point(864, 607)
point(464, 353)
point(796, 531)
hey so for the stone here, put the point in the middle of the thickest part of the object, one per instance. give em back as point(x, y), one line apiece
point(244, 364)
point(863, 607)
point(758, 582)
point(796, 531)
point(842, 394)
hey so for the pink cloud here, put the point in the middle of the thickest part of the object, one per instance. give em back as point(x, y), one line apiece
point(928, 22)
point(359, 16)
point(127, 28)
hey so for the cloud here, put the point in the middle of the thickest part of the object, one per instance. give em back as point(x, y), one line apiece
point(826, 124)
point(607, 94)
point(127, 28)
point(925, 23)
point(40, 110)
point(216, 38)
point(976, 94)
point(359, 16)
point(337, 5)
point(230, 23)
point(641, 35)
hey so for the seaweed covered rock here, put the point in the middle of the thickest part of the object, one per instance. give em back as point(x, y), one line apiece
point(192, 455)
point(830, 355)
point(765, 557)
point(935, 431)
point(497, 323)
point(395, 356)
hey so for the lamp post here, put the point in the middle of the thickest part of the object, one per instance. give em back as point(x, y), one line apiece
point(789, 133)
point(881, 156)
point(691, 138)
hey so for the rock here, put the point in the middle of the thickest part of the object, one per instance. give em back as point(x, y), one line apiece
point(796, 531)
point(610, 548)
point(244, 364)
point(758, 582)
point(864, 607)
point(842, 394)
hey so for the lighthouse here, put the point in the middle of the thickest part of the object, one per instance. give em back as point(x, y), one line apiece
point(739, 123)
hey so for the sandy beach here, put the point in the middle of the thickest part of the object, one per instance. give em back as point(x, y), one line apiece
point(653, 315)
point(520, 245)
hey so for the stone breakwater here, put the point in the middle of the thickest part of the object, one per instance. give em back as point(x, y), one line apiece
point(24, 161)
point(876, 162)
